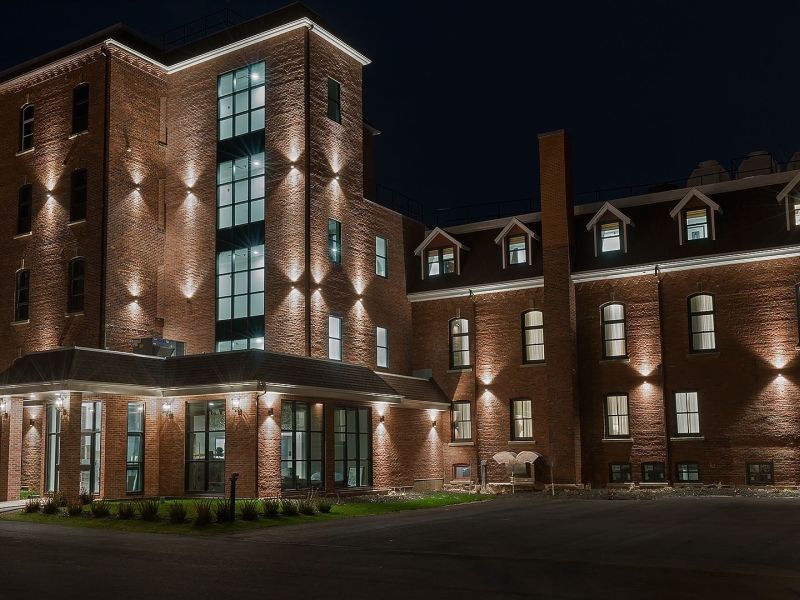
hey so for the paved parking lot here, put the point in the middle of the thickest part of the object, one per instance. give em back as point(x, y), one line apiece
point(512, 547)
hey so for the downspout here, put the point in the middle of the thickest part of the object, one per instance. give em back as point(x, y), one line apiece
point(475, 375)
point(104, 227)
point(663, 369)
point(308, 186)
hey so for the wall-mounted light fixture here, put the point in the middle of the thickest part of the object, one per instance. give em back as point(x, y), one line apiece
point(4, 408)
point(138, 189)
point(49, 194)
point(336, 178)
point(382, 418)
point(293, 167)
point(270, 412)
point(166, 408)
point(433, 423)
point(236, 405)
point(30, 422)
point(59, 403)
point(188, 191)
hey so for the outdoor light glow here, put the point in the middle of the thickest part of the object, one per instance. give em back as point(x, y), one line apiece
point(254, 76)
point(188, 191)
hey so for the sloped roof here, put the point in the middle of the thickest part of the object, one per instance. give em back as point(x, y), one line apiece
point(608, 207)
point(694, 193)
point(432, 235)
point(416, 389)
point(511, 222)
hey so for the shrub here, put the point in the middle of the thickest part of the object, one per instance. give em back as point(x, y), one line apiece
point(177, 512)
point(148, 508)
point(50, 505)
point(249, 509)
point(60, 498)
point(203, 510)
point(324, 505)
point(74, 508)
point(100, 509)
point(306, 506)
point(32, 505)
point(126, 510)
point(289, 508)
point(222, 511)
point(85, 497)
point(270, 507)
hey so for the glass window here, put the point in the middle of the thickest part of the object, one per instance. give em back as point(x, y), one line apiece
point(302, 445)
point(334, 101)
point(760, 474)
point(134, 480)
point(91, 418)
point(77, 271)
point(24, 209)
point(335, 338)
point(205, 446)
point(609, 237)
point(441, 260)
point(613, 330)
point(688, 472)
point(334, 241)
point(26, 128)
point(241, 96)
point(522, 419)
point(517, 249)
point(240, 191)
point(620, 473)
point(796, 211)
point(240, 283)
point(52, 449)
point(77, 206)
point(22, 297)
point(382, 337)
point(352, 440)
point(697, 224)
point(462, 421)
point(616, 408)
point(687, 414)
point(532, 336)
point(702, 323)
point(653, 472)
point(459, 344)
point(462, 472)
point(80, 108)
point(380, 257)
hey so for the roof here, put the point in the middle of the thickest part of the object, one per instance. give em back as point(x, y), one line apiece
point(432, 236)
point(416, 389)
point(511, 223)
point(608, 207)
point(694, 193)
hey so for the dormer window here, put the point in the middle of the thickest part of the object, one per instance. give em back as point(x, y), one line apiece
point(610, 240)
point(517, 250)
point(697, 224)
point(441, 261)
point(796, 210)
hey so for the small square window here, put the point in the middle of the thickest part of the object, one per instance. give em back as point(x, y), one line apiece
point(610, 237)
point(620, 473)
point(697, 224)
point(760, 474)
point(653, 472)
point(441, 261)
point(462, 472)
point(688, 472)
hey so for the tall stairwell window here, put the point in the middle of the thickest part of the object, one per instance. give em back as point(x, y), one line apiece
point(614, 327)
point(77, 271)
point(702, 323)
point(26, 128)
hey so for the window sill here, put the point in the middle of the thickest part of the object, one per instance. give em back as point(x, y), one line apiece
point(23, 235)
point(530, 365)
point(653, 484)
point(521, 442)
point(78, 222)
point(701, 354)
point(25, 322)
point(28, 151)
point(459, 444)
point(620, 359)
point(73, 314)
point(688, 484)
point(628, 440)
point(80, 133)
point(469, 370)
point(688, 438)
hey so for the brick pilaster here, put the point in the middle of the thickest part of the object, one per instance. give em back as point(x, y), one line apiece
point(11, 450)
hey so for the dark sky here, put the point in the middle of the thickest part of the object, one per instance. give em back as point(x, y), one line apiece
point(460, 90)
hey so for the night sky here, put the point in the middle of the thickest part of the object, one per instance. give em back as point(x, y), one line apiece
point(460, 90)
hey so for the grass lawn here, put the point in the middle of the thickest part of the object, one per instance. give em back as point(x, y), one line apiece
point(163, 525)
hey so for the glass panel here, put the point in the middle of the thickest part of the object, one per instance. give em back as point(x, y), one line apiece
point(257, 210)
point(216, 477)
point(613, 312)
point(225, 129)
point(134, 448)
point(224, 262)
point(240, 285)
point(225, 107)
point(256, 305)
point(242, 102)
point(216, 443)
point(135, 418)
point(223, 286)
point(224, 195)
point(197, 447)
point(257, 187)
point(239, 345)
point(533, 318)
point(257, 257)
point(257, 343)
point(257, 96)
point(240, 259)
point(241, 125)
point(225, 85)
point(225, 218)
point(334, 349)
point(257, 280)
point(257, 73)
point(224, 309)
point(242, 79)
point(197, 477)
point(223, 346)
point(257, 119)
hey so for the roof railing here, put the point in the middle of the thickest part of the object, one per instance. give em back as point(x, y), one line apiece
point(200, 28)
point(400, 203)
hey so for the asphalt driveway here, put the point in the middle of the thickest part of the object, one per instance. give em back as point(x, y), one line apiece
point(512, 547)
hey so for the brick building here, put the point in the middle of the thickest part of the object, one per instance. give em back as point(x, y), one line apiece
point(205, 206)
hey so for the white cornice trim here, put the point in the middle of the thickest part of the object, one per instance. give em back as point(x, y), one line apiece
point(494, 223)
point(488, 288)
point(694, 193)
point(704, 262)
point(511, 222)
point(432, 235)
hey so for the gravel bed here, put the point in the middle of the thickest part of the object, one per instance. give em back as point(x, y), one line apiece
point(668, 492)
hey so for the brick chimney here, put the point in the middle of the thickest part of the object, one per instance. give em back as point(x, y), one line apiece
point(555, 166)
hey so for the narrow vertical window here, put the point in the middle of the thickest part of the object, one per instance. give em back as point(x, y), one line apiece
point(352, 440)
point(797, 306)
point(52, 448)
point(24, 209)
point(134, 478)
point(77, 205)
point(382, 335)
point(302, 445)
point(205, 446)
point(697, 224)
point(687, 414)
point(26, 128)
point(702, 327)
point(91, 418)
point(688, 472)
point(532, 336)
point(334, 241)
point(335, 338)
point(380, 256)
point(617, 419)
point(462, 421)
point(613, 330)
point(609, 237)
point(80, 108)
point(241, 98)
point(522, 419)
point(77, 271)
point(459, 344)
point(22, 295)
point(334, 101)
point(517, 250)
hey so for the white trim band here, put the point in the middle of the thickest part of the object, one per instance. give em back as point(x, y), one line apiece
point(488, 288)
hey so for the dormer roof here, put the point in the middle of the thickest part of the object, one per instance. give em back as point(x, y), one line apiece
point(783, 196)
point(511, 223)
point(694, 193)
point(607, 207)
point(432, 236)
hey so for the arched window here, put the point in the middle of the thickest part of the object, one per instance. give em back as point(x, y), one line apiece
point(22, 296)
point(24, 209)
point(459, 344)
point(77, 271)
point(77, 204)
point(532, 336)
point(26, 128)
point(614, 330)
point(702, 323)
point(80, 108)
